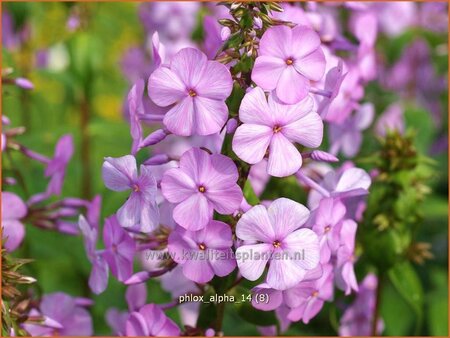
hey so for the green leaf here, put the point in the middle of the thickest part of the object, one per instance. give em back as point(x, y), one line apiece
point(208, 311)
point(249, 194)
point(407, 283)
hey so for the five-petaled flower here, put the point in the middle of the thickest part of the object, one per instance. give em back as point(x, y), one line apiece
point(288, 60)
point(203, 183)
point(275, 236)
point(272, 126)
point(197, 89)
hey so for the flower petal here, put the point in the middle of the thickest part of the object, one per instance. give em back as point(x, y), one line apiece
point(180, 118)
point(306, 243)
point(129, 214)
point(312, 66)
point(255, 225)
point(225, 200)
point(194, 213)
point(119, 173)
point(250, 142)
point(286, 216)
point(255, 110)
point(165, 87)
point(284, 158)
point(216, 82)
point(276, 41)
point(189, 64)
point(198, 270)
point(304, 41)
point(176, 185)
point(210, 115)
point(252, 259)
point(292, 86)
point(222, 262)
point(267, 71)
point(307, 131)
point(284, 114)
point(284, 272)
point(196, 163)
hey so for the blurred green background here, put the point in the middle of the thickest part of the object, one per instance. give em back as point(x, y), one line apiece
point(83, 94)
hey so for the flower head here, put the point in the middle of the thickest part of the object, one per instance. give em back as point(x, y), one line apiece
point(120, 174)
point(277, 238)
point(203, 253)
point(13, 210)
point(269, 125)
point(203, 183)
point(288, 60)
point(197, 89)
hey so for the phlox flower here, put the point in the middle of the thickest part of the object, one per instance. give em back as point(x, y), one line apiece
point(150, 320)
point(203, 183)
point(13, 210)
point(273, 235)
point(289, 59)
point(203, 253)
point(120, 174)
point(196, 88)
point(345, 274)
point(66, 316)
point(269, 125)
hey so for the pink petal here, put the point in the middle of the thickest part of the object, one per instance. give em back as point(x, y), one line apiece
point(129, 214)
point(165, 87)
point(136, 296)
point(189, 65)
point(255, 225)
point(193, 213)
point(276, 41)
point(353, 178)
point(252, 259)
point(225, 200)
point(119, 173)
point(198, 270)
point(304, 41)
point(197, 164)
point(149, 219)
point(274, 297)
point(216, 82)
point(222, 262)
point(292, 86)
point(14, 232)
point(176, 185)
point(225, 171)
point(250, 142)
point(286, 215)
point(312, 309)
point(255, 110)
point(312, 66)
point(218, 235)
point(306, 242)
point(267, 71)
point(284, 158)
point(351, 142)
point(180, 118)
point(136, 325)
point(210, 115)
point(284, 114)
point(12, 206)
point(284, 273)
point(307, 131)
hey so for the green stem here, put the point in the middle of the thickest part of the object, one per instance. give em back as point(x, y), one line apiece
point(219, 319)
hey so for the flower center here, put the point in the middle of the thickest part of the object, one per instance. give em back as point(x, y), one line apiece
point(276, 244)
point(192, 93)
point(289, 61)
point(202, 246)
point(315, 294)
point(136, 188)
point(202, 189)
point(276, 129)
point(327, 228)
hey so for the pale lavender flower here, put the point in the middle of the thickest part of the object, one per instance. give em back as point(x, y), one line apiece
point(391, 119)
point(13, 211)
point(274, 127)
point(203, 253)
point(120, 174)
point(288, 60)
point(345, 274)
point(203, 183)
point(197, 89)
point(150, 320)
point(274, 236)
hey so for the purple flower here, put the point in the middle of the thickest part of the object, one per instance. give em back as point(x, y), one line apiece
point(347, 136)
point(135, 108)
point(391, 119)
point(333, 82)
point(120, 174)
point(150, 320)
point(197, 89)
point(203, 253)
point(274, 127)
point(98, 278)
point(119, 249)
point(315, 294)
point(288, 60)
point(327, 224)
point(13, 210)
point(345, 274)
point(276, 237)
point(357, 319)
point(56, 168)
point(66, 316)
point(202, 183)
